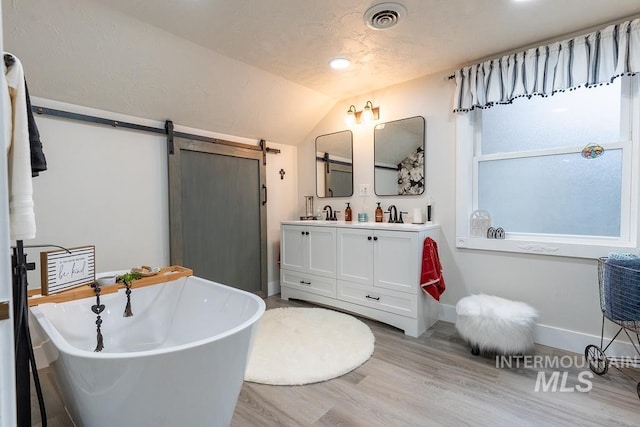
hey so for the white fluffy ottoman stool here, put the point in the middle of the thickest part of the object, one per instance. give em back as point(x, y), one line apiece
point(494, 324)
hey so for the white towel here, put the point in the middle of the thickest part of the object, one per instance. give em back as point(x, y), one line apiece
point(14, 103)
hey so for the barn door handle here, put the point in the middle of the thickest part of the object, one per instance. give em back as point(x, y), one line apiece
point(264, 187)
point(4, 310)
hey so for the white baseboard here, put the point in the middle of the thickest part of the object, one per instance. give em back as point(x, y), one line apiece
point(448, 313)
point(273, 288)
point(562, 339)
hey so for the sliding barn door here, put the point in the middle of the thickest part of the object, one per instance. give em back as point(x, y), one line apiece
point(217, 198)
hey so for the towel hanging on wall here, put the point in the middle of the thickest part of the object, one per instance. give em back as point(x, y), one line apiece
point(14, 101)
point(431, 278)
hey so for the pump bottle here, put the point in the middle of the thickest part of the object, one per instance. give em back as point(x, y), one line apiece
point(379, 214)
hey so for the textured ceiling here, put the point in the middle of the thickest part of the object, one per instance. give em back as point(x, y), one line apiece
point(295, 39)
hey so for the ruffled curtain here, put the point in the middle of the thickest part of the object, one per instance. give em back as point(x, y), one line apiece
point(593, 59)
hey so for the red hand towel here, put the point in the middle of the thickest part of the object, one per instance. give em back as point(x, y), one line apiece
point(431, 279)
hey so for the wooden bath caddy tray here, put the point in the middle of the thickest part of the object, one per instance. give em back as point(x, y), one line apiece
point(166, 274)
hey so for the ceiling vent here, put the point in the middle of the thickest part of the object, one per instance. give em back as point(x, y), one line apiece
point(384, 15)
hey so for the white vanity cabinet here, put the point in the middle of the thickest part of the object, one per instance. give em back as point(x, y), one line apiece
point(308, 250)
point(380, 258)
point(307, 259)
point(376, 266)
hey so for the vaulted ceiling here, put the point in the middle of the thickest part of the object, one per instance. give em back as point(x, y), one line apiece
point(296, 39)
point(259, 68)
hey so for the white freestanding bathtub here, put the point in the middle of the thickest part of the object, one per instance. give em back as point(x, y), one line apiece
point(178, 361)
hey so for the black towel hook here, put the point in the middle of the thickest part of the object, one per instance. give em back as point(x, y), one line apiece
point(9, 59)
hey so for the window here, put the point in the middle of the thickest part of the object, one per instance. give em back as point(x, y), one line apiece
point(528, 164)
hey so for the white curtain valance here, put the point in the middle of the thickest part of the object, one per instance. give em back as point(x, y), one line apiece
point(593, 59)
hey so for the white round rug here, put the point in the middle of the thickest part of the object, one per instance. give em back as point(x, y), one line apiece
point(295, 346)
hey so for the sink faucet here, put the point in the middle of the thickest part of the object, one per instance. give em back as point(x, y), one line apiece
point(393, 215)
point(329, 211)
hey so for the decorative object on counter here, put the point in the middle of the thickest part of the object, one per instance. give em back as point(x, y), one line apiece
point(129, 277)
point(145, 271)
point(417, 216)
point(98, 308)
point(107, 279)
point(127, 308)
point(318, 344)
point(363, 217)
point(480, 223)
point(281, 172)
point(67, 269)
point(495, 233)
point(429, 210)
point(308, 201)
point(347, 213)
point(379, 214)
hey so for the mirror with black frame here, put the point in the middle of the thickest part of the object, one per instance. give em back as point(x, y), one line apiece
point(334, 164)
point(399, 164)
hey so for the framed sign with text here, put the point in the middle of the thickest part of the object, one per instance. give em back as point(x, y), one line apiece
point(62, 270)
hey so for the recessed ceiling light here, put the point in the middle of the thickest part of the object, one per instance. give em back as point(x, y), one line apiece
point(340, 63)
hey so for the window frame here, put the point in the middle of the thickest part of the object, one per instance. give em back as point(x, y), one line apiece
point(468, 133)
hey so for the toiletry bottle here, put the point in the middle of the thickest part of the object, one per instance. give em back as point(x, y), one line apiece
point(379, 215)
point(347, 213)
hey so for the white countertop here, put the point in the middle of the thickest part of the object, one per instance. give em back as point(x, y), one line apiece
point(367, 225)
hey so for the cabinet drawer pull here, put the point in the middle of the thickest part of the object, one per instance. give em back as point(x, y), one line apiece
point(368, 237)
point(375, 298)
point(306, 233)
point(302, 232)
point(305, 283)
point(375, 238)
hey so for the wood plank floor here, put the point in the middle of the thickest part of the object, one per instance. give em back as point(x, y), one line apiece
point(428, 381)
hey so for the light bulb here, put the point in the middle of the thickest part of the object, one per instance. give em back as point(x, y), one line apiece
point(367, 113)
point(350, 118)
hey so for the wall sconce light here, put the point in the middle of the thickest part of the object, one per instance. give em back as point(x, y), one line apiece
point(368, 114)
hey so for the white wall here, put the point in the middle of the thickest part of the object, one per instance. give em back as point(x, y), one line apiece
point(564, 290)
point(282, 205)
point(108, 187)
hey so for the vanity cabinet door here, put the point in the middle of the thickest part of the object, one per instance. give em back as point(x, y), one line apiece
point(293, 248)
point(321, 251)
point(355, 255)
point(396, 257)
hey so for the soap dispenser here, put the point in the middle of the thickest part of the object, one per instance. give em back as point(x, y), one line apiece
point(347, 213)
point(379, 214)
